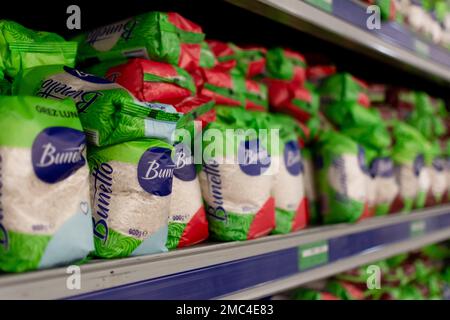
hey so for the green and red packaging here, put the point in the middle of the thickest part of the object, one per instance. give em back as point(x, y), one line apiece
point(249, 60)
point(188, 224)
point(225, 87)
point(286, 65)
point(22, 48)
point(341, 178)
point(256, 96)
point(411, 155)
point(344, 87)
point(236, 177)
point(160, 36)
point(152, 81)
point(291, 207)
point(318, 73)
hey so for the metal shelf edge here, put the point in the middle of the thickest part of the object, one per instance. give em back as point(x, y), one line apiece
point(101, 275)
point(267, 289)
point(307, 18)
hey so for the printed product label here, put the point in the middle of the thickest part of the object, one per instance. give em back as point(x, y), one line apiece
point(155, 171)
point(184, 163)
point(292, 158)
point(253, 159)
point(422, 48)
point(215, 209)
point(85, 76)
point(325, 5)
point(57, 152)
point(382, 167)
point(417, 228)
point(136, 53)
point(312, 254)
point(81, 87)
point(103, 189)
point(106, 37)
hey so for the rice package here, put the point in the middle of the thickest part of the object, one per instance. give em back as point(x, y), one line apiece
point(250, 61)
point(344, 87)
point(108, 112)
point(225, 87)
point(412, 176)
point(236, 179)
point(152, 81)
point(286, 65)
point(160, 36)
point(288, 190)
point(386, 186)
point(426, 118)
point(131, 186)
point(256, 96)
point(45, 214)
point(22, 48)
point(341, 178)
point(188, 224)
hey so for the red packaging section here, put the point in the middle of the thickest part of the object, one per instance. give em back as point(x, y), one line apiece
point(131, 75)
point(189, 52)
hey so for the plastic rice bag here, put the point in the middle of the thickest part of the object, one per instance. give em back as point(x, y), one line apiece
point(45, 214)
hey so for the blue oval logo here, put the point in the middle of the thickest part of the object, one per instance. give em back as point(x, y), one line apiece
point(184, 163)
point(155, 171)
point(253, 159)
point(293, 158)
point(86, 76)
point(57, 152)
point(419, 163)
point(439, 164)
point(362, 160)
point(382, 167)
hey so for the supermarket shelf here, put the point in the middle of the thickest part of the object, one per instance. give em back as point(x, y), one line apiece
point(260, 267)
point(345, 25)
point(297, 280)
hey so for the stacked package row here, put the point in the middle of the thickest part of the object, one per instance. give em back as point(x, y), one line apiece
point(132, 152)
point(160, 139)
point(122, 143)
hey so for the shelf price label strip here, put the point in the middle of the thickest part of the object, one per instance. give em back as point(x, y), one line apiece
point(325, 5)
point(235, 275)
point(312, 255)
